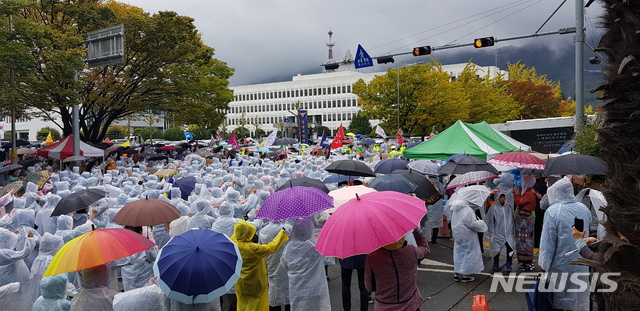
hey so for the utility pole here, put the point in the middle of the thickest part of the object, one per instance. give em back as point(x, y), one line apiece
point(12, 85)
point(579, 55)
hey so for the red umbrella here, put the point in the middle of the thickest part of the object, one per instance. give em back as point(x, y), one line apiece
point(518, 159)
point(168, 148)
point(346, 141)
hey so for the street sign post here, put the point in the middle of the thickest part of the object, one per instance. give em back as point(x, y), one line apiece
point(362, 58)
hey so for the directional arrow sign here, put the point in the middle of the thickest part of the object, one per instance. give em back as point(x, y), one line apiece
point(362, 58)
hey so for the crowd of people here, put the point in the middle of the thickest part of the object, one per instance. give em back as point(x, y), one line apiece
point(281, 268)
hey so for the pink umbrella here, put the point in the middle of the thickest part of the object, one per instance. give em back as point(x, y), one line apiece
point(343, 195)
point(369, 222)
point(518, 159)
point(167, 148)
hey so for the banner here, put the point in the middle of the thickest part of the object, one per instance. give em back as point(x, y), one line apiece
point(399, 137)
point(337, 141)
point(303, 125)
point(380, 131)
point(233, 141)
point(323, 141)
point(268, 142)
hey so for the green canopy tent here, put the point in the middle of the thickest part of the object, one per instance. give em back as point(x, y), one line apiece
point(478, 140)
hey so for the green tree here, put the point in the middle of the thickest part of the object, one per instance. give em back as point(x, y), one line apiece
point(359, 124)
point(322, 129)
point(260, 133)
point(241, 132)
point(167, 69)
point(587, 141)
point(44, 132)
point(116, 132)
point(173, 134)
point(148, 132)
point(201, 133)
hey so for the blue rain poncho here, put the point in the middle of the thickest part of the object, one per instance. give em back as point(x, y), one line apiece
point(556, 241)
point(49, 246)
point(14, 269)
point(308, 289)
point(54, 294)
point(467, 255)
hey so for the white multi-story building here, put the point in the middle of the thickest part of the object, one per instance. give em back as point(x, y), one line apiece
point(327, 97)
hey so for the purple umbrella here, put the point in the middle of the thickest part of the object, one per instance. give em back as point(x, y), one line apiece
point(295, 202)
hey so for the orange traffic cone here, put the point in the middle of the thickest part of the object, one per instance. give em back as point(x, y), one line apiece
point(444, 231)
point(480, 303)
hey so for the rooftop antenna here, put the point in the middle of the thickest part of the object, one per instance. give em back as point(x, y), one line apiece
point(330, 45)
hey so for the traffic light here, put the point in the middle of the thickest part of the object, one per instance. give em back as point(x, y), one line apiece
point(423, 50)
point(385, 59)
point(332, 66)
point(484, 42)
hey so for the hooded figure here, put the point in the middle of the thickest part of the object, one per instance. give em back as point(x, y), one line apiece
point(147, 298)
point(276, 273)
point(54, 294)
point(556, 244)
point(499, 220)
point(24, 220)
point(66, 230)
point(201, 219)
point(95, 294)
point(137, 269)
point(49, 246)
point(14, 269)
point(44, 221)
point(308, 288)
point(30, 193)
point(252, 287)
point(467, 257)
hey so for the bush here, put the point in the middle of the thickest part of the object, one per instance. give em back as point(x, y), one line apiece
point(173, 134)
point(116, 132)
point(42, 134)
point(148, 133)
point(201, 133)
point(322, 129)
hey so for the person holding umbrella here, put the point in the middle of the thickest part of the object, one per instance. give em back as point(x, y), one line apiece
point(252, 287)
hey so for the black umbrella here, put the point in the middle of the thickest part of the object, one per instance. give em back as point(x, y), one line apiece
point(10, 168)
point(103, 145)
point(285, 141)
point(19, 143)
point(186, 185)
point(157, 157)
point(304, 182)
point(30, 162)
point(77, 201)
point(394, 182)
point(465, 164)
point(367, 141)
point(426, 190)
point(350, 168)
point(575, 164)
point(389, 165)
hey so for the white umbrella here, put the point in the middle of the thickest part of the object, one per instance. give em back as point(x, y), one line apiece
point(424, 166)
point(74, 159)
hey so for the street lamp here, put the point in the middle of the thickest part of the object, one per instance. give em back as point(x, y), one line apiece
point(12, 86)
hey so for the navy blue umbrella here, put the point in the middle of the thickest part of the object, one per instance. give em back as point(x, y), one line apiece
point(393, 182)
point(389, 165)
point(367, 141)
point(198, 266)
point(186, 185)
point(335, 178)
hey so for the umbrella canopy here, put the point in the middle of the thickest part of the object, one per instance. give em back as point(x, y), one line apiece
point(426, 167)
point(368, 222)
point(397, 183)
point(518, 159)
point(16, 185)
point(168, 148)
point(103, 145)
point(77, 201)
point(30, 162)
point(96, 248)
point(304, 182)
point(74, 159)
point(336, 178)
point(350, 168)
point(186, 185)
point(575, 164)
point(292, 203)
point(285, 141)
point(146, 212)
point(389, 165)
point(19, 143)
point(24, 151)
point(426, 190)
point(470, 178)
point(198, 266)
point(157, 157)
point(344, 194)
point(464, 164)
point(39, 178)
point(474, 195)
point(10, 168)
point(367, 141)
point(350, 134)
point(263, 149)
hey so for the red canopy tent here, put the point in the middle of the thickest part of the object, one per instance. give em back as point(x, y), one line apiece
point(64, 149)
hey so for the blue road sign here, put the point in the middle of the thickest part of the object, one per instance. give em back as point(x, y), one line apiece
point(362, 58)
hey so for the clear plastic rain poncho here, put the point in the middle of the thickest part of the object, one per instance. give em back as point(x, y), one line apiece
point(276, 273)
point(240, 181)
point(147, 298)
point(137, 269)
point(49, 246)
point(54, 294)
point(225, 222)
point(14, 269)
point(66, 230)
point(95, 294)
point(499, 218)
point(308, 289)
point(24, 220)
point(201, 219)
point(556, 242)
point(233, 197)
point(467, 255)
point(30, 193)
point(44, 221)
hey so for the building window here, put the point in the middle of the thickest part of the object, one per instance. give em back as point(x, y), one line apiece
point(344, 89)
point(324, 91)
point(348, 88)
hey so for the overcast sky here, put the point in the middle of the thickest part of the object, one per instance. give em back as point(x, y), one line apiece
point(270, 39)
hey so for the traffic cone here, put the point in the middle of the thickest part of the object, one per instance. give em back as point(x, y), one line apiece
point(480, 303)
point(444, 231)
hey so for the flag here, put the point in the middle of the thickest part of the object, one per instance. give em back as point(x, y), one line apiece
point(380, 131)
point(49, 137)
point(433, 133)
point(233, 141)
point(126, 144)
point(399, 137)
point(268, 142)
point(323, 141)
point(337, 141)
point(107, 140)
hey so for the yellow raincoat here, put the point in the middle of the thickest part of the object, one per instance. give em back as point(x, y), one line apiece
point(252, 287)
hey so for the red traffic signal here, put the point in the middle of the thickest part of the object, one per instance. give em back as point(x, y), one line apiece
point(483, 42)
point(423, 50)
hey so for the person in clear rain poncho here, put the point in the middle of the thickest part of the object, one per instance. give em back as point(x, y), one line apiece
point(23, 221)
point(557, 246)
point(137, 269)
point(467, 257)
point(49, 246)
point(500, 232)
point(13, 269)
point(308, 289)
point(252, 287)
point(54, 294)
point(202, 218)
point(95, 294)
point(276, 273)
point(44, 221)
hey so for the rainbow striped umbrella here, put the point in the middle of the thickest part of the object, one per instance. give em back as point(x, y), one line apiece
point(95, 248)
